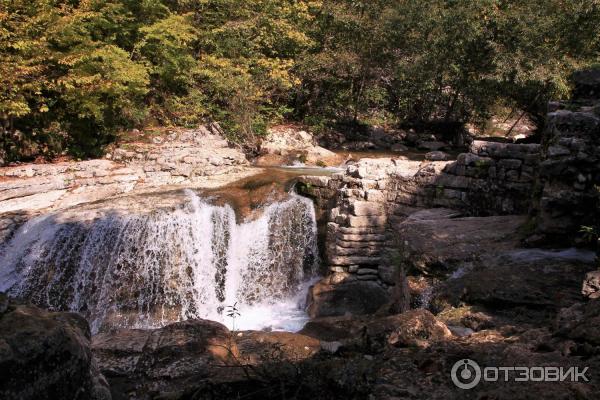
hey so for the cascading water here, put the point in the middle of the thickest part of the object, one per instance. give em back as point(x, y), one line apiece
point(152, 268)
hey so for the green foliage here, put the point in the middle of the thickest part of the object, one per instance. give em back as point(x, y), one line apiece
point(73, 74)
point(247, 54)
point(444, 60)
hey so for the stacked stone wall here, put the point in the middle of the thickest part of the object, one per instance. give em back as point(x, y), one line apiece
point(359, 206)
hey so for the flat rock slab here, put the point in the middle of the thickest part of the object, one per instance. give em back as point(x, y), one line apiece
point(533, 278)
point(437, 242)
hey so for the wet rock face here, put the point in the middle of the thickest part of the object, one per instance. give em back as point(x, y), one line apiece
point(148, 261)
point(9, 223)
point(46, 355)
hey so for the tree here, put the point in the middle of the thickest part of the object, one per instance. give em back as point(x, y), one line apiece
point(247, 52)
point(73, 74)
point(23, 68)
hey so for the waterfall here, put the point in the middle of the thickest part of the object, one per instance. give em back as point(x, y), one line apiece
point(148, 269)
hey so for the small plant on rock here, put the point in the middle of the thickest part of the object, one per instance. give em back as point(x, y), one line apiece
point(232, 312)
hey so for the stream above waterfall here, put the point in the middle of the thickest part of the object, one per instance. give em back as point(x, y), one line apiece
point(145, 261)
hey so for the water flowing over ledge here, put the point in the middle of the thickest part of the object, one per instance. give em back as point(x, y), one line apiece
point(148, 269)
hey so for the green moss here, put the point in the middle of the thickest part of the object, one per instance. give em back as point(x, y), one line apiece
point(439, 190)
point(528, 228)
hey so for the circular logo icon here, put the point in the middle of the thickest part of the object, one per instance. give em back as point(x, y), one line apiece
point(466, 374)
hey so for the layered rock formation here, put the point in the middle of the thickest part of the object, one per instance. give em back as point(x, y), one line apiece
point(377, 215)
point(190, 157)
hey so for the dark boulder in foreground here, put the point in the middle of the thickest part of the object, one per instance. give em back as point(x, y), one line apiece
point(142, 363)
point(348, 298)
point(186, 358)
point(46, 355)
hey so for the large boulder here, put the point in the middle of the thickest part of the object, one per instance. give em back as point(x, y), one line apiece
point(527, 278)
point(46, 355)
point(198, 359)
point(287, 145)
point(436, 242)
point(165, 360)
point(348, 298)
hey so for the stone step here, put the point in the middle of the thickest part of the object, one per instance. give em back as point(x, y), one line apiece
point(362, 238)
point(360, 230)
point(367, 271)
point(360, 245)
point(367, 208)
point(352, 260)
point(367, 277)
point(344, 251)
point(367, 222)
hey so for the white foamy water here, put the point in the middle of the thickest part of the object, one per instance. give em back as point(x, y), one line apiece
point(150, 269)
